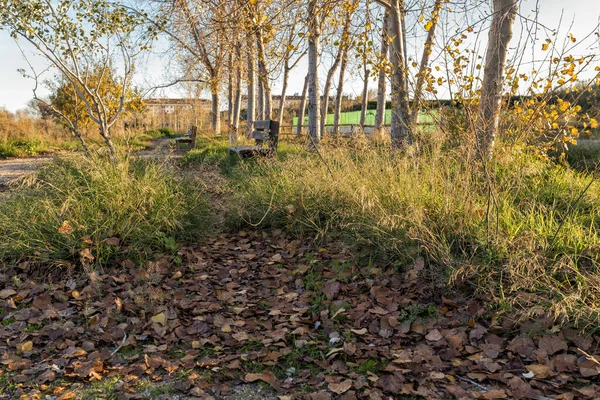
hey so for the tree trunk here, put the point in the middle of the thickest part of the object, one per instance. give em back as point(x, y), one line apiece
point(326, 89)
point(365, 98)
point(260, 115)
point(237, 101)
point(382, 83)
point(401, 132)
point(216, 112)
point(423, 72)
point(302, 109)
point(251, 106)
point(286, 75)
point(314, 108)
point(265, 80)
point(505, 12)
point(337, 113)
point(230, 94)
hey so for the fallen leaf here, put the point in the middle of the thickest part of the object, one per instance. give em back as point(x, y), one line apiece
point(267, 377)
point(65, 228)
point(434, 336)
point(159, 318)
point(341, 387)
point(26, 347)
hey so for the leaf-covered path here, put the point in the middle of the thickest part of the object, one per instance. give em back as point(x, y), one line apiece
point(265, 308)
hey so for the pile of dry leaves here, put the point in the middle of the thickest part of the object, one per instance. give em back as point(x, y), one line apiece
point(258, 307)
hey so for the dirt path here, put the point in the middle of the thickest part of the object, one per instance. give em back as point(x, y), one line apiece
point(15, 168)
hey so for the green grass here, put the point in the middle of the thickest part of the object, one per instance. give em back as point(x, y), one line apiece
point(142, 203)
point(497, 234)
point(32, 147)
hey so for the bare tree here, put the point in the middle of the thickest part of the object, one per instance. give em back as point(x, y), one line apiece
point(79, 40)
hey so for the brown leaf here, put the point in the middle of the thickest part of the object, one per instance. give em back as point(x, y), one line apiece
point(434, 336)
point(5, 293)
point(494, 394)
point(65, 228)
point(42, 301)
point(552, 344)
point(267, 377)
point(341, 387)
point(113, 241)
point(540, 371)
point(331, 290)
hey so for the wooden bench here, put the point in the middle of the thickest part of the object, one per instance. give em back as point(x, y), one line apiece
point(266, 136)
point(189, 139)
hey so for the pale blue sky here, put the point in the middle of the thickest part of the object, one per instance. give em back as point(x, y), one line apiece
point(16, 91)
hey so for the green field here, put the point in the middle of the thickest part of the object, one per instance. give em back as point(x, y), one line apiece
point(353, 118)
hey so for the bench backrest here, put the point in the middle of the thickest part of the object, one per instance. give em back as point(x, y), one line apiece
point(266, 132)
point(193, 132)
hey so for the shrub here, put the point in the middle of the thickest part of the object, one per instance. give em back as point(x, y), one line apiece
point(78, 203)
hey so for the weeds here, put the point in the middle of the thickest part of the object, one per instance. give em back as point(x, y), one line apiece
point(106, 209)
point(493, 233)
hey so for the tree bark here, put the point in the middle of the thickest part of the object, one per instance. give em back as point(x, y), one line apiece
point(422, 74)
point(401, 132)
point(382, 82)
point(216, 112)
point(251, 100)
point(302, 109)
point(337, 113)
point(314, 108)
point(505, 12)
point(365, 97)
point(286, 75)
point(265, 81)
point(237, 101)
point(230, 92)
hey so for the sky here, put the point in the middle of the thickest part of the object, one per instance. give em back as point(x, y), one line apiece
point(16, 90)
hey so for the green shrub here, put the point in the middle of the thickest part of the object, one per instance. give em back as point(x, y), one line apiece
point(78, 203)
point(498, 233)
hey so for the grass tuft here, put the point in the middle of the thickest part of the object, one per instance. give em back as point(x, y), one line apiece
point(75, 204)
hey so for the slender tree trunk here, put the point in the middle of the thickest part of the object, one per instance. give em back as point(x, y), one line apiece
point(230, 93)
point(314, 107)
point(423, 67)
point(382, 83)
point(336, 63)
point(302, 109)
point(251, 106)
point(337, 113)
point(216, 111)
point(286, 75)
point(365, 98)
point(264, 77)
point(401, 132)
point(326, 89)
point(260, 115)
point(505, 12)
point(237, 101)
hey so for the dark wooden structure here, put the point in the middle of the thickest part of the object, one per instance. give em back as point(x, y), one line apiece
point(189, 139)
point(266, 136)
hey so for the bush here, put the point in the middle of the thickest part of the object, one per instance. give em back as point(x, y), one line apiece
point(498, 234)
point(76, 204)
